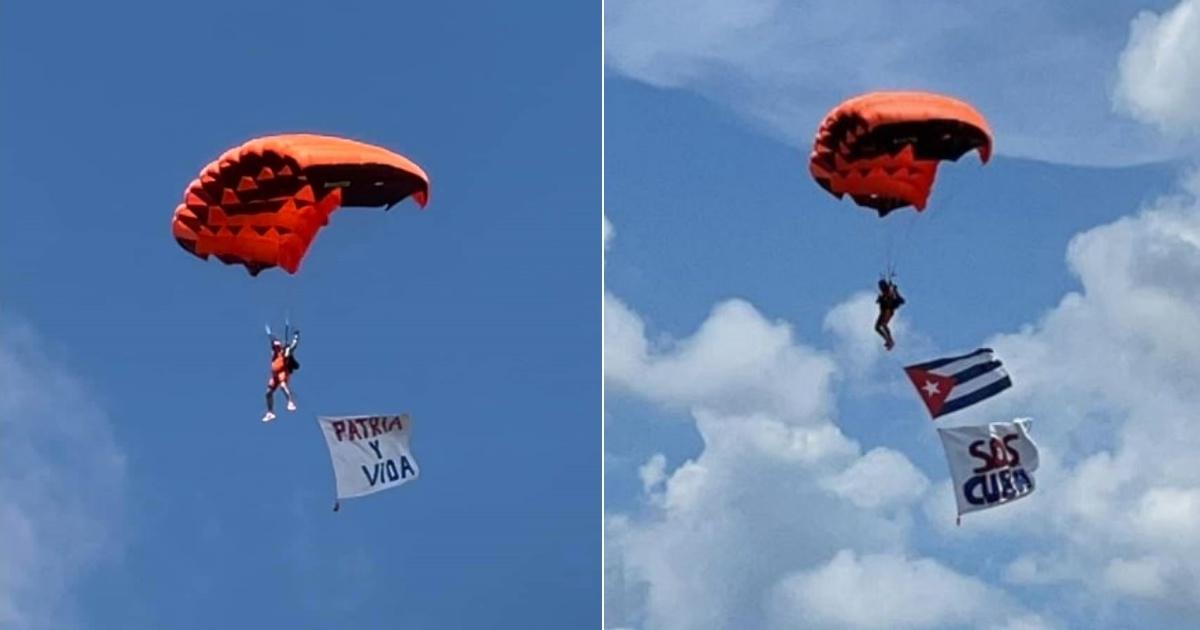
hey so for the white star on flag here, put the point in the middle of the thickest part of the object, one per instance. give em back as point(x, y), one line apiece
point(931, 388)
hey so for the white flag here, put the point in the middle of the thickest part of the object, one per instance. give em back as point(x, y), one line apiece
point(990, 464)
point(369, 453)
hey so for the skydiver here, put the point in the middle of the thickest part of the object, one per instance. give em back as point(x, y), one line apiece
point(889, 300)
point(283, 363)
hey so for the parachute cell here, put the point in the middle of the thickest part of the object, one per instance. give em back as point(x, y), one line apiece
point(261, 205)
point(883, 148)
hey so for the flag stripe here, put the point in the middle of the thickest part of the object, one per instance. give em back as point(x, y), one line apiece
point(963, 380)
point(935, 364)
point(976, 396)
point(975, 371)
point(950, 369)
point(976, 384)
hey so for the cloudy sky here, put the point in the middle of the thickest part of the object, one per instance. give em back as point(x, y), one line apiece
point(768, 465)
point(138, 489)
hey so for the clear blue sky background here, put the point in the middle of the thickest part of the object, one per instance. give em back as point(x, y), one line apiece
point(478, 315)
point(706, 208)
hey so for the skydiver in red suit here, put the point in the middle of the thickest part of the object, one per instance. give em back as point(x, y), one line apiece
point(283, 363)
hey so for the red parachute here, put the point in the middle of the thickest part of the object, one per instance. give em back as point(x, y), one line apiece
point(883, 148)
point(261, 205)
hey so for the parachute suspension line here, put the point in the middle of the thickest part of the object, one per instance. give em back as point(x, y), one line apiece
point(937, 211)
point(886, 246)
point(910, 223)
point(912, 219)
point(895, 238)
point(293, 294)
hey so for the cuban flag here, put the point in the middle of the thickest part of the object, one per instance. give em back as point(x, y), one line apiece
point(947, 385)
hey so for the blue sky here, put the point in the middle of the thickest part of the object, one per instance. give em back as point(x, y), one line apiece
point(145, 492)
point(767, 464)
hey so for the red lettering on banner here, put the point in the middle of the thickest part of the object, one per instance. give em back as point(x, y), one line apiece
point(366, 428)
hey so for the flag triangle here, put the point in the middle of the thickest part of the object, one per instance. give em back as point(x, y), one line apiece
point(933, 388)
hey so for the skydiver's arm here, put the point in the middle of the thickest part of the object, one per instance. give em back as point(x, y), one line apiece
point(295, 342)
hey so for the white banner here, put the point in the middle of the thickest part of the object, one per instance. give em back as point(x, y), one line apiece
point(369, 453)
point(990, 464)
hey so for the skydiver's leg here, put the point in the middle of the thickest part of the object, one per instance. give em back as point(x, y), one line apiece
point(885, 321)
point(881, 326)
point(270, 415)
point(287, 391)
point(882, 329)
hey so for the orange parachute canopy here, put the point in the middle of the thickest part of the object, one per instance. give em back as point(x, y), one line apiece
point(261, 205)
point(883, 148)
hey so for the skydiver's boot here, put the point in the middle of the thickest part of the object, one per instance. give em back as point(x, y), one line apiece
point(291, 405)
point(269, 416)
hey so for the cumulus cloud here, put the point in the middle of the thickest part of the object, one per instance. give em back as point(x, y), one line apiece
point(606, 230)
point(898, 589)
point(62, 479)
point(1031, 570)
point(1108, 374)
point(738, 363)
point(775, 489)
point(1159, 79)
point(1044, 80)
point(1142, 577)
point(653, 473)
point(1111, 373)
point(858, 347)
point(881, 478)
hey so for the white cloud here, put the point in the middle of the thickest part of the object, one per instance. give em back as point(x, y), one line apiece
point(731, 522)
point(1159, 78)
point(1108, 374)
point(852, 324)
point(880, 479)
point(1044, 80)
point(776, 487)
point(737, 363)
point(61, 479)
point(1142, 577)
point(885, 591)
point(606, 230)
point(858, 349)
point(1026, 621)
point(1032, 570)
point(653, 473)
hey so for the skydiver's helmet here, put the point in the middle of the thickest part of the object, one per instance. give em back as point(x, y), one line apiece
point(276, 344)
point(883, 285)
